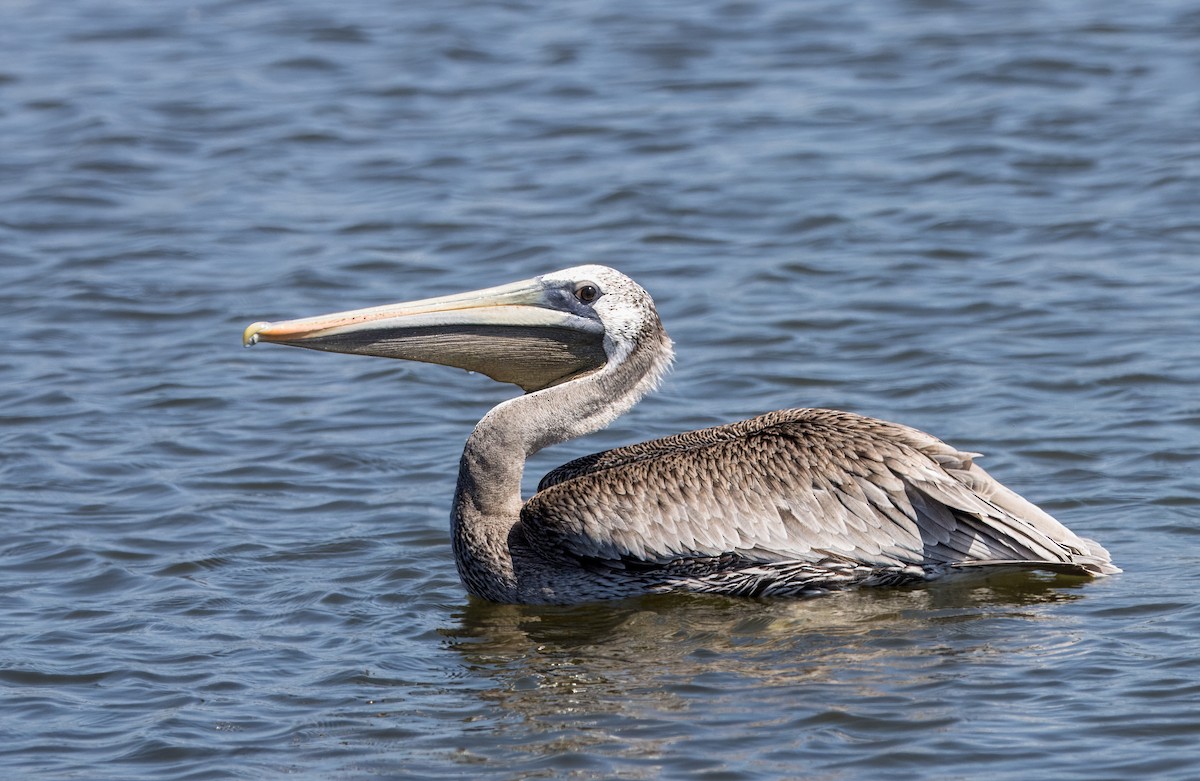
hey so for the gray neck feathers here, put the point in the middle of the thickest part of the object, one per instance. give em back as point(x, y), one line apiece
point(487, 502)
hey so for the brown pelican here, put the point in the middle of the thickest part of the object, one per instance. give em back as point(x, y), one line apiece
point(793, 502)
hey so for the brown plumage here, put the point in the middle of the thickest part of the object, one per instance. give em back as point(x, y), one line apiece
point(823, 488)
point(793, 502)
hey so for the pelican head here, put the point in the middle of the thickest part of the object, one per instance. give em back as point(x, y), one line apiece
point(536, 333)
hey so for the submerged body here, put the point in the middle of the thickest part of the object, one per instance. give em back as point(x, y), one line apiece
point(790, 503)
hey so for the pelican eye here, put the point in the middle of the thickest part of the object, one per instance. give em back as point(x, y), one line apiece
point(587, 293)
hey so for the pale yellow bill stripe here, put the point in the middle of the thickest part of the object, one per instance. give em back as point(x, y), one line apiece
point(512, 333)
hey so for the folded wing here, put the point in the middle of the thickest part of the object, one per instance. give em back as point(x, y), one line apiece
point(802, 485)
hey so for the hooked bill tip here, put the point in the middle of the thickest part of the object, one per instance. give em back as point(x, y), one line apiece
point(250, 335)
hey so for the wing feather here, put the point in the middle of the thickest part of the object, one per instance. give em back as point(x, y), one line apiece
point(795, 485)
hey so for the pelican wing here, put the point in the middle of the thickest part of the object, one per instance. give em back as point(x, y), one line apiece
point(796, 485)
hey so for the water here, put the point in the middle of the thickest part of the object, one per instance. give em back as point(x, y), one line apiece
point(978, 218)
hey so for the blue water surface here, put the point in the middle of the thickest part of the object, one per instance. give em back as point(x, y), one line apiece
point(977, 218)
